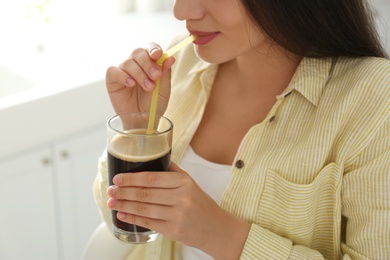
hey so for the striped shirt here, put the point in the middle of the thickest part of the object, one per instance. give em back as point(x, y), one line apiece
point(313, 178)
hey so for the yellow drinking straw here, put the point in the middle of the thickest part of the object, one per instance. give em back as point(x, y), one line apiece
point(153, 105)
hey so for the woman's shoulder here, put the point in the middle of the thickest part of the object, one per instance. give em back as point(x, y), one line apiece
point(364, 69)
point(367, 77)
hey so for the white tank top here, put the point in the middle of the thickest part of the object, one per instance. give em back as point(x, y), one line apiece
point(212, 178)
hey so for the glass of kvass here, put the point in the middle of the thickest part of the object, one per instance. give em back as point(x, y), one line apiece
point(131, 147)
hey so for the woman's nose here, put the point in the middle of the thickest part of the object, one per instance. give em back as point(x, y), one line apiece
point(188, 9)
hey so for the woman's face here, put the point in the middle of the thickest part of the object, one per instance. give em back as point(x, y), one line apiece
point(224, 30)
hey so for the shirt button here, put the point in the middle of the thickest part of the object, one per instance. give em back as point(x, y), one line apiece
point(240, 164)
point(272, 118)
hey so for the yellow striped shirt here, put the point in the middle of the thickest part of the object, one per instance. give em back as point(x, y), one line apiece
point(314, 177)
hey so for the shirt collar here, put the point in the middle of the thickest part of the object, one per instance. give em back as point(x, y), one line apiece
point(309, 80)
point(200, 66)
point(207, 72)
point(311, 77)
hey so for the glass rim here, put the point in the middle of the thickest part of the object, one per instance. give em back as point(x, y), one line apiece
point(139, 113)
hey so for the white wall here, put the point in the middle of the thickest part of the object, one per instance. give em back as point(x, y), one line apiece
point(382, 11)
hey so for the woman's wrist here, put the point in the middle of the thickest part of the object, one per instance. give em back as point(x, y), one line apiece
point(228, 237)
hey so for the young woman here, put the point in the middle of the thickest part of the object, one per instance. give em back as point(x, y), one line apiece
point(281, 145)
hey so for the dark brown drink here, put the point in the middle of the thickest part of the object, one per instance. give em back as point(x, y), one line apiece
point(116, 166)
point(121, 159)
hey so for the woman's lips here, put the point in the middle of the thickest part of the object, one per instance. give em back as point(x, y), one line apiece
point(204, 37)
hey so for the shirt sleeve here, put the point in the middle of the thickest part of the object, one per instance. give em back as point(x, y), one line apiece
point(268, 245)
point(99, 190)
point(366, 200)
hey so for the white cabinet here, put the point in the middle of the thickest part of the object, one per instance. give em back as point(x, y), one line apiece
point(27, 218)
point(47, 207)
point(75, 166)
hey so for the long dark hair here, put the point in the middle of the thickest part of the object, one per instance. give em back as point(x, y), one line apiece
point(318, 28)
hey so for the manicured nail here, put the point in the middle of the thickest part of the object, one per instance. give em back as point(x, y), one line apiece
point(111, 191)
point(149, 84)
point(154, 72)
point(121, 215)
point(153, 50)
point(111, 203)
point(117, 179)
point(130, 82)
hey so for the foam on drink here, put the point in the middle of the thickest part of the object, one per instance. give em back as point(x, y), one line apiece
point(133, 149)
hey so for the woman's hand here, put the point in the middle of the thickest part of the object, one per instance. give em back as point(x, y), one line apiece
point(172, 204)
point(131, 84)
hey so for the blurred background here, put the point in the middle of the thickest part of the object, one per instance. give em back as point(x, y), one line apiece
point(54, 107)
point(53, 111)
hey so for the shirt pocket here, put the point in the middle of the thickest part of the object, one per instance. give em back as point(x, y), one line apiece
point(307, 214)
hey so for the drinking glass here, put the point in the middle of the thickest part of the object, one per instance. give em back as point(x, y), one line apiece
point(131, 149)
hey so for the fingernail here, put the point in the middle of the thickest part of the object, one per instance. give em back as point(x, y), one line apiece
point(154, 72)
point(130, 82)
point(111, 191)
point(121, 215)
point(149, 84)
point(117, 179)
point(111, 202)
point(153, 50)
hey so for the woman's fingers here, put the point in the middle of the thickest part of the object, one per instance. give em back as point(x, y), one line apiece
point(142, 70)
point(161, 217)
point(165, 180)
point(158, 225)
point(117, 78)
point(136, 74)
point(142, 194)
point(155, 211)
